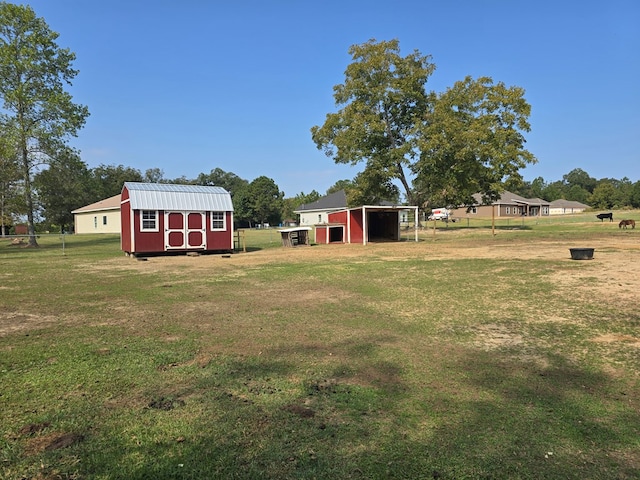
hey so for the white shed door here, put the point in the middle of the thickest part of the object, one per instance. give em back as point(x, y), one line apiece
point(184, 230)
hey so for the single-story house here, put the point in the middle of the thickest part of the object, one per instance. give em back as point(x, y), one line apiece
point(318, 211)
point(368, 223)
point(98, 217)
point(157, 217)
point(508, 205)
point(564, 207)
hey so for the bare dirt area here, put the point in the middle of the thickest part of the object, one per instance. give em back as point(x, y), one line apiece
point(614, 270)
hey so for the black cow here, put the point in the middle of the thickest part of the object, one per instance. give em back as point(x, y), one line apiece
point(602, 216)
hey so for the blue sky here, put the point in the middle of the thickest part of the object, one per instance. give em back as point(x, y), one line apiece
point(193, 85)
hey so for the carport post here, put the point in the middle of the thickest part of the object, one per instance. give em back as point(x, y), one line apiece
point(365, 234)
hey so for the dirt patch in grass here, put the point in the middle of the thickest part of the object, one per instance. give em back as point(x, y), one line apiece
point(612, 338)
point(16, 322)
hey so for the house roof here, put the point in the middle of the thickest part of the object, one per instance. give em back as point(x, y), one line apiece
point(167, 196)
point(111, 203)
point(562, 203)
point(509, 198)
point(333, 201)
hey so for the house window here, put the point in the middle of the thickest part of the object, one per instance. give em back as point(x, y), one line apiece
point(473, 210)
point(218, 221)
point(149, 221)
point(104, 219)
point(507, 210)
point(319, 218)
point(95, 222)
point(545, 210)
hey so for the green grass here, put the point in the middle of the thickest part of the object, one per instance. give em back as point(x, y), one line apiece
point(376, 365)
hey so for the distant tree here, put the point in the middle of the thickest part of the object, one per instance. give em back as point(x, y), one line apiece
point(62, 188)
point(242, 207)
point(182, 180)
point(579, 178)
point(153, 175)
point(289, 205)
point(231, 182)
point(537, 188)
point(264, 201)
point(603, 196)
point(107, 180)
point(625, 190)
point(37, 112)
point(634, 198)
point(554, 191)
point(339, 185)
point(577, 193)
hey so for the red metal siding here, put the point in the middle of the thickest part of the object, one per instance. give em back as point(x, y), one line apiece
point(125, 222)
point(322, 234)
point(338, 217)
point(220, 240)
point(148, 242)
point(356, 226)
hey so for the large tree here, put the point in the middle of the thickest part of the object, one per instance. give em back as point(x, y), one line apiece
point(471, 141)
point(37, 111)
point(438, 147)
point(381, 101)
point(9, 183)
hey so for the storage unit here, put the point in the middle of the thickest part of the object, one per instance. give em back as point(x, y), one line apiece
point(167, 218)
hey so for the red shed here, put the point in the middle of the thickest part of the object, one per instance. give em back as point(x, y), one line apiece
point(159, 217)
point(364, 224)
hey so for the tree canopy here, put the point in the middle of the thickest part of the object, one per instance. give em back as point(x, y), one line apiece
point(63, 187)
point(38, 114)
point(438, 147)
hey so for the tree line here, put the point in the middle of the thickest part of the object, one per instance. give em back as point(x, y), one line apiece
point(578, 185)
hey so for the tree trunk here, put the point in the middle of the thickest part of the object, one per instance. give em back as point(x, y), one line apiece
point(28, 197)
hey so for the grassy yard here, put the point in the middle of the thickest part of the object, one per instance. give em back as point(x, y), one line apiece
point(465, 355)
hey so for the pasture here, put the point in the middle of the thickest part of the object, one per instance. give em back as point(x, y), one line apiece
point(465, 355)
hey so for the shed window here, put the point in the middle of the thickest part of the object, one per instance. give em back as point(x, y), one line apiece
point(149, 220)
point(218, 221)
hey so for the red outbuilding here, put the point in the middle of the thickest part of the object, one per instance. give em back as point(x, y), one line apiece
point(159, 218)
point(369, 223)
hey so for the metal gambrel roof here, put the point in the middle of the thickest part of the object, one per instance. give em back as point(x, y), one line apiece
point(166, 196)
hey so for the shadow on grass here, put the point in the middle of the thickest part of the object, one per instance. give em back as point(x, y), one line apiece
point(359, 417)
point(561, 421)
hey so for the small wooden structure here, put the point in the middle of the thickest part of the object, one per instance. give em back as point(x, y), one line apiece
point(295, 236)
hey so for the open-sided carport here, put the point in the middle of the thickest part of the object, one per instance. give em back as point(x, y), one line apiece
point(369, 223)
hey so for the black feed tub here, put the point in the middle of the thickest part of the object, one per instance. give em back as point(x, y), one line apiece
point(581, 253)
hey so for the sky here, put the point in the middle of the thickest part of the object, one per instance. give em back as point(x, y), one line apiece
point(194, 85)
